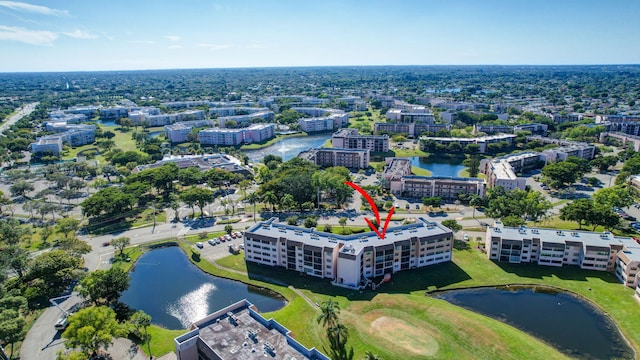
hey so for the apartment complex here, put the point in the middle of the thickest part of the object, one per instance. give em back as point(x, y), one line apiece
point(624, 138)
point(235, 110)
point(47, 144)
point(71, 134)
point(326, 157)
point(482, 141)
point(565, 149)
point(245, 120)
point(178, 132)
point(234, 137)
point(238, 331)
point(394, 169)
point(330, 120)
point(620, 123)
point(552, 247)
point(351, 260)
point(445, 187)
point(410, 129)
point(501, 171)
point(351, 139)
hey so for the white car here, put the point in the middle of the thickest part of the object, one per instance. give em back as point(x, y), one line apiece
point(199, 245)
point(466, 237)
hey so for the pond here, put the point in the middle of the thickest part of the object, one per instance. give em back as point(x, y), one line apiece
point(572, 325)
point(107, 122)
point(439, 167)
point(289, 148)
point(167, 286)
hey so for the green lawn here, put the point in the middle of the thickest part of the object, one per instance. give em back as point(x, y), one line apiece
point(123, 141)
point(161, 340)
point(420, 171)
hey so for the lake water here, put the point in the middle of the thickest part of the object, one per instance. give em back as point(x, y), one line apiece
point(290, 147)
point(572, 325)
point(167, 286)
point(438, 168)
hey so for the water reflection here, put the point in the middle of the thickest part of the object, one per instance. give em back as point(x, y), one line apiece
point(290, 147)
point(192, 306)
point(175, 292)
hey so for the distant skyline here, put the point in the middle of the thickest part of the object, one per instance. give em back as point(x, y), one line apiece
point(64, 35)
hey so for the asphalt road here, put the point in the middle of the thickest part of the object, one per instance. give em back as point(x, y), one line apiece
point(26, 110)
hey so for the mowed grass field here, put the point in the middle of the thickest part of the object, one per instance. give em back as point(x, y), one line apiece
point(401, 322)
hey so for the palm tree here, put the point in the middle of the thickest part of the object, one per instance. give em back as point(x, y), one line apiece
point(270, 198)
point(342, 221)
point(287, 202)
point(329, 314)
point(253, 198)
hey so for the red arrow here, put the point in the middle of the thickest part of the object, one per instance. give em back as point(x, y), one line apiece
point(375, 211)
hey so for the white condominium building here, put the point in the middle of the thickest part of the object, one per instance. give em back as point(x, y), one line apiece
point(410, 116)
point(233, 137)
point(349, 158)
point(178, 132)
point(350, 261)
point(483, 141)
point(246, 119)
point(394, 169)
point(351, 139)
point(501, 171)
point(49, 143)
point(330, 120)
point(552, 247)
point(447, 188)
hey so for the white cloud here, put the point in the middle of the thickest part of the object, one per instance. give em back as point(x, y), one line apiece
point(34, 9)
point(148, 42)
point(175, 47)
point(215, 46)
point(33, 37)
point(81, 34)
point(173, 37)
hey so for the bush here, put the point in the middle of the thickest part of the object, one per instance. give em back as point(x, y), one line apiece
point(292, 220)
point(327, 228)
point(195, 255)
point(310, 222)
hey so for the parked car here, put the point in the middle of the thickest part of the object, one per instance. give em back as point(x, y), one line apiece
point(199, 245)
point(211, 242)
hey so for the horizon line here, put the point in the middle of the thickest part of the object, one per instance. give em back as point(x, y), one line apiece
point(308, 66)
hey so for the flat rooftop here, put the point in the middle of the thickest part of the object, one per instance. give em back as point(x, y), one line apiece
point(235, 339)
point(421, 228)
point(587, 238)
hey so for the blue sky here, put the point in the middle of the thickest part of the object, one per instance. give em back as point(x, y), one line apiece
point(70, 35)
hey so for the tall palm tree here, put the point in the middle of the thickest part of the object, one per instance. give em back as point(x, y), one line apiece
point(329, 314)
point(253, 198)
point(270, 198)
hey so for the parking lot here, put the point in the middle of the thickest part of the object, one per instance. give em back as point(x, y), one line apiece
point(218, 251)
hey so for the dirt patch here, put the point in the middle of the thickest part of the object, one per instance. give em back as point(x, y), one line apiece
point(404, 335)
